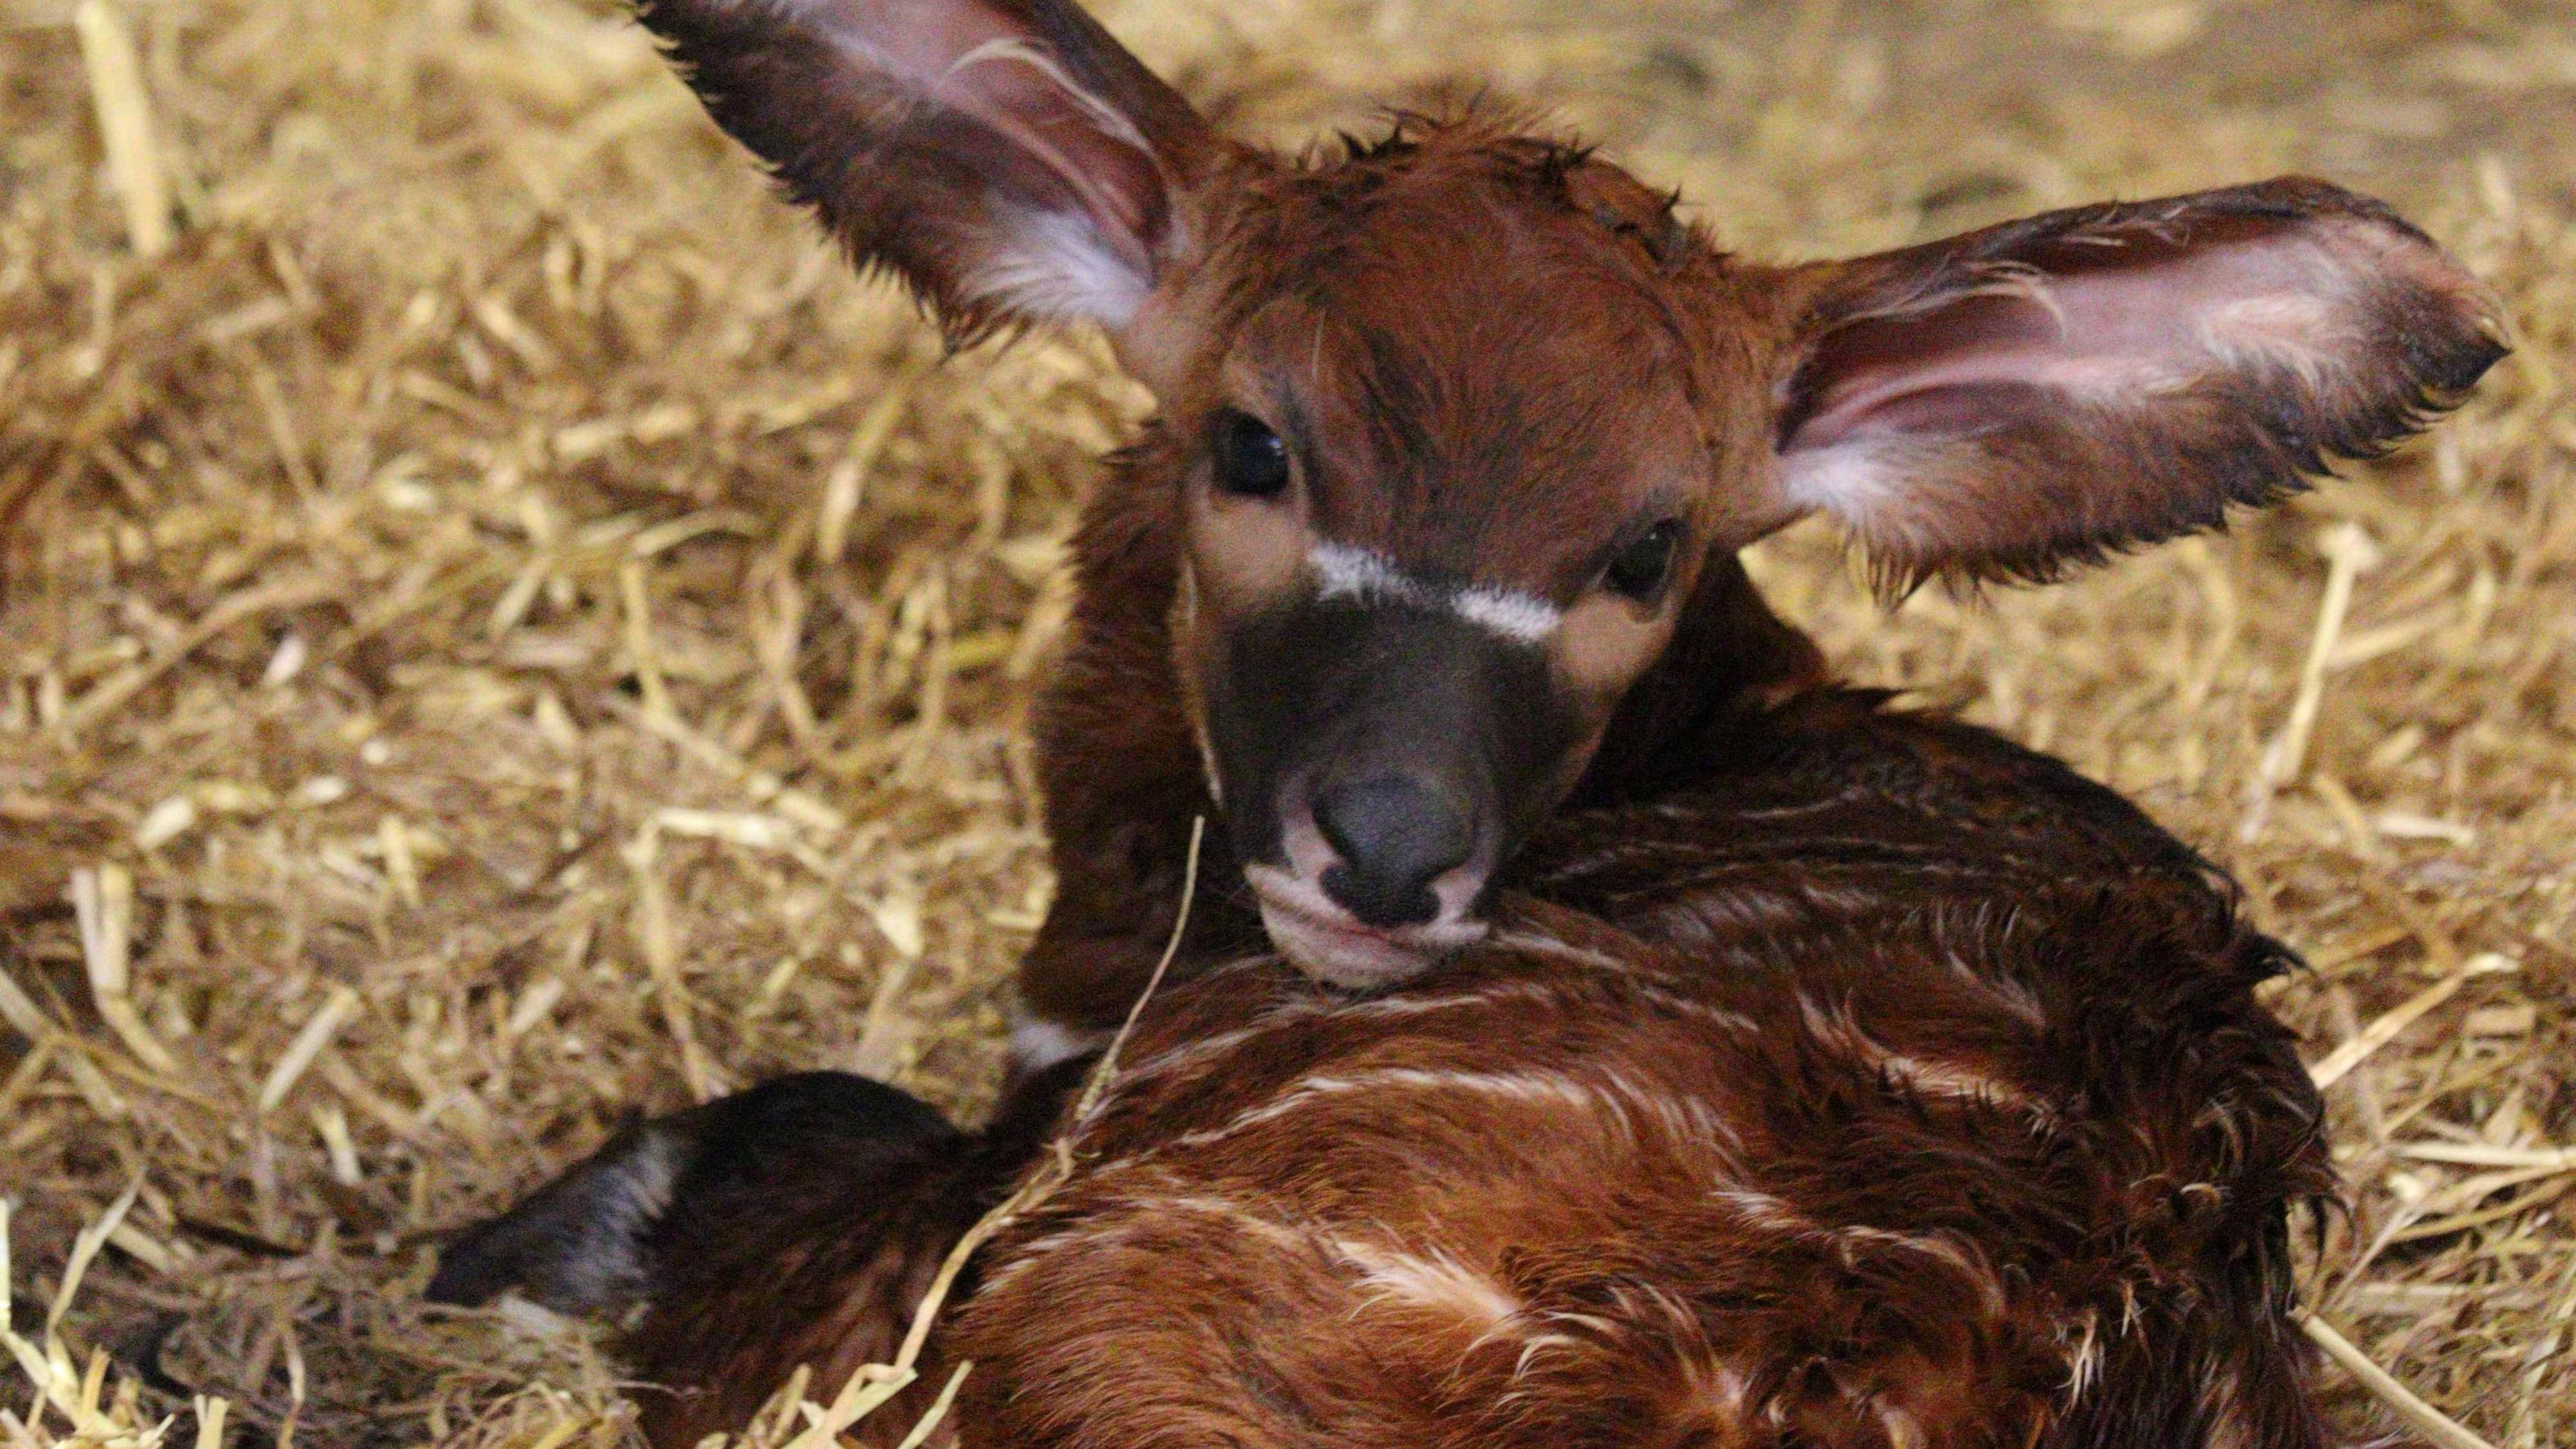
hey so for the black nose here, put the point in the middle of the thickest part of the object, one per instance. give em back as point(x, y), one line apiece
point(1395, 835)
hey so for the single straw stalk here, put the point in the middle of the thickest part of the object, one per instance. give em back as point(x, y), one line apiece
point(2432, 1422)
point(2348, 551)
point(134, 164)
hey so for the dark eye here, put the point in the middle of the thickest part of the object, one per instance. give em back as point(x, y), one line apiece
point(1251, 462)
point(1640, 569)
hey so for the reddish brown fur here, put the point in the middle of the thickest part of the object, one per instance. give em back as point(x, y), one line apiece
point(1888, 1086)
point(1584, 419)
point(1369, 247)
point(1855, 1137)
point(1830, 1077)
point(1496, 356)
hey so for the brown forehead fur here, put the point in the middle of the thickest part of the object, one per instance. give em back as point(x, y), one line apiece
point(1499, 347)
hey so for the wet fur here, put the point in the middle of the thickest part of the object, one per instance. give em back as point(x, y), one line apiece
point(1509, 316)
point(1897, 1081)
point(1834, 1077)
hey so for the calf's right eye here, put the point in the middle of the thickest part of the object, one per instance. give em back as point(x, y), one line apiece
point(1251, 462)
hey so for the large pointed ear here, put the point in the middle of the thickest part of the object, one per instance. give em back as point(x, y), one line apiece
point(1007, 158)
point(2015, 400)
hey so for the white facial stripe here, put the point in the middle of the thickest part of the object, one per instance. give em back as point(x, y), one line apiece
point(1509, 612)
point(1343, 572)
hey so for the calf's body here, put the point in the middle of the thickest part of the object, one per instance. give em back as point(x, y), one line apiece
point(1885, 1085)
point(1598, 1030)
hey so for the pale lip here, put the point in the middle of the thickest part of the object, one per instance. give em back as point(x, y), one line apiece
point(1327, 943)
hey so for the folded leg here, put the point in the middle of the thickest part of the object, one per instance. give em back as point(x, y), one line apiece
point(798, 1222)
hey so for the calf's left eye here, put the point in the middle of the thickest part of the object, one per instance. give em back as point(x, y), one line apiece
point(1642, 567)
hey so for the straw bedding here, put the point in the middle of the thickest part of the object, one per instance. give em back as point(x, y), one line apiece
point(499, 632)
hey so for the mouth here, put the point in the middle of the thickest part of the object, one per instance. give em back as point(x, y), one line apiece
point(1330, 945)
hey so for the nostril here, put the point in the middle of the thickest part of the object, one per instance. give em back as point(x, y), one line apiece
point(1395, 835)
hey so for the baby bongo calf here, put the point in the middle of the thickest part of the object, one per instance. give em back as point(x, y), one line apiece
point(1884, 1087)
point(1660, 1046)
point(1462, 430)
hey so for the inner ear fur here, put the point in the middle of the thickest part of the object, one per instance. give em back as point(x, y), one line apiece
point(1008, 159)
point(2014, 401)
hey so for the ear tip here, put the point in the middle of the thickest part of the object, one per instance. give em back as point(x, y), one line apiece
point(2443, 331)
point(2449, 326)
point(2457, 332)
point(2468, 364)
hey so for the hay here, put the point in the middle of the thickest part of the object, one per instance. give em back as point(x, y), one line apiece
point(499, 631)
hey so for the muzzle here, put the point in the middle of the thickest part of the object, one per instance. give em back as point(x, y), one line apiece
point(1379, 759)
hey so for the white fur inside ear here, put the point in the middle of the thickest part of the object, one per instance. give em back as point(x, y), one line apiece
point(2306, 335)
point(1057, 265)
point(1863, 484)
